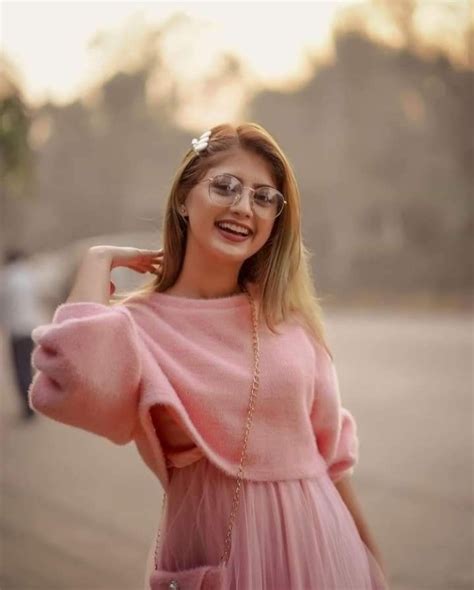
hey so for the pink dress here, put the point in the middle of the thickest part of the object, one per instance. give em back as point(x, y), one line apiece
point(172, 374)
point(288, 535)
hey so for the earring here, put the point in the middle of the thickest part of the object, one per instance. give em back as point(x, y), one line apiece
point(183, 211)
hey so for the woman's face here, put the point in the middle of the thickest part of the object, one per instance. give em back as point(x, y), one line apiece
point(203, 214)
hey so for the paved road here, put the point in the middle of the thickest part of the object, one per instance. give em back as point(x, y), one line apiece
point(79, 513)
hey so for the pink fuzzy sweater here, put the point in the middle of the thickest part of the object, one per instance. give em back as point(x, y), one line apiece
point(146, 368)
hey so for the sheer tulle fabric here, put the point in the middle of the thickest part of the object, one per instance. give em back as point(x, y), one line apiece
point(289, 535)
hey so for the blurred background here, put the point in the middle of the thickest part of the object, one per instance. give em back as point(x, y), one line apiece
point(373, 104)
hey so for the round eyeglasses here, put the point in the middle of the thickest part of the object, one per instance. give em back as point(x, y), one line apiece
point(226, 190)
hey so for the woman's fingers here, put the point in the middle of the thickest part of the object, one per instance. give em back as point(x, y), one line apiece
point(141, 260)
point(147, 267)
point(153, 256)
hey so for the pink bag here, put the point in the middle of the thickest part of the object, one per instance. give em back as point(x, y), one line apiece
point(206, 577)
point(213, 577)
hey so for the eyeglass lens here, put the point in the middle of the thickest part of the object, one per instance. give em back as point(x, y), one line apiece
point(224, 189)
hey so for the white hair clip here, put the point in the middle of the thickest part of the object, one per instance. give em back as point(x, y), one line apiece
point(201, 144)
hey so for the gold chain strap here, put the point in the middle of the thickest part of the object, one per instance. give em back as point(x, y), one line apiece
point(253, 396)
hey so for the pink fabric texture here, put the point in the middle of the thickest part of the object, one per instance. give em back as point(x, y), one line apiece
point(174, 375)
point(103, 368)
point(289, 535)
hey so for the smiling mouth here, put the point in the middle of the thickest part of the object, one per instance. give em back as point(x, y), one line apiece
point(245, 233)
point(232, 236)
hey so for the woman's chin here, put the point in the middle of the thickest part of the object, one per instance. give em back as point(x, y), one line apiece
point(230, 249)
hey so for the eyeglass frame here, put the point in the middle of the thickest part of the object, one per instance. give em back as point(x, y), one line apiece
point(238, 197)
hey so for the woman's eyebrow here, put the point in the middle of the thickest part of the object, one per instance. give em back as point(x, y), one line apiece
point(255, 185)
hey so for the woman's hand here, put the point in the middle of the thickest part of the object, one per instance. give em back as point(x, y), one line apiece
point(92, 282)
point(138, 259)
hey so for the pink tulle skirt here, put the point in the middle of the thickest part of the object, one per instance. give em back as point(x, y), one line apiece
point(288, 535)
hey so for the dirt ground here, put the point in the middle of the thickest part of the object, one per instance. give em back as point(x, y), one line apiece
point(80, 513)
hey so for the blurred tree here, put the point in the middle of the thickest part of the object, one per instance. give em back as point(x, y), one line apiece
point(16, 155)
point(401, 14)
point(382, 146)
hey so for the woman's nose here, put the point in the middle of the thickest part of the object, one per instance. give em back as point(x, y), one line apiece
point(244, 202)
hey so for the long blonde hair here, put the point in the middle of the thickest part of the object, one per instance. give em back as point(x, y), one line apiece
point(281, 267)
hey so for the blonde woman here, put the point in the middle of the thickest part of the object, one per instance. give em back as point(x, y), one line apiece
point(170, 367)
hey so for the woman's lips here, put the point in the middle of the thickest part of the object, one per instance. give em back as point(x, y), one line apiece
point(231, 237)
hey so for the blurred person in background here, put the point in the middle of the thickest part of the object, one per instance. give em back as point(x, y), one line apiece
point(20, 312)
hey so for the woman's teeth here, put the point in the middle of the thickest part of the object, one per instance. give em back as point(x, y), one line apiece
point(230, 235)
point(233, 229)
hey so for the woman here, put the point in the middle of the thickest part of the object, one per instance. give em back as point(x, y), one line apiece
point(170, 366)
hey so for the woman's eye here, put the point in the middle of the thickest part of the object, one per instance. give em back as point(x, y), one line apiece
point(224, 186)
point(264, 197)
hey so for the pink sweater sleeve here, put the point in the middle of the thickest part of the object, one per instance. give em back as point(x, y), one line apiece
point(89, 369)
point(334, 426)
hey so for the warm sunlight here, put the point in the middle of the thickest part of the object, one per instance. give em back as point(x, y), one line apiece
point(275, 43)
point(55, 62)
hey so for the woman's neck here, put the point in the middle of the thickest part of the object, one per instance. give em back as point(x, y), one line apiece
point(202, 292)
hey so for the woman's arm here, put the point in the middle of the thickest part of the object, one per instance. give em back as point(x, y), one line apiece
point(346, 489)
point(88, 362)
point(89, 358)
point(92, 281)
point(338, 443)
